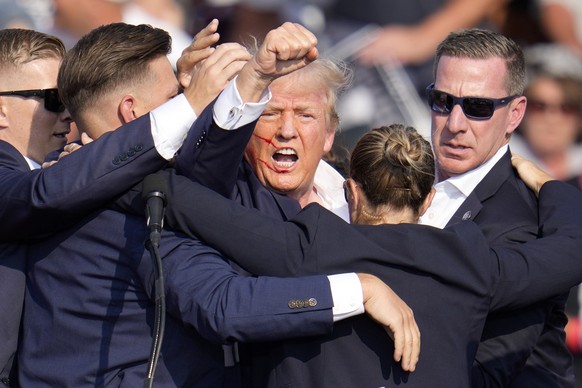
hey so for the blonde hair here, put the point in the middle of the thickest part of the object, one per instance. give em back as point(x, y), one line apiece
point(20, 46)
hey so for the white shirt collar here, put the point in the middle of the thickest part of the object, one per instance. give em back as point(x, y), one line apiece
point(467, 182)
point(452, 192)
point(328, 184)
point(31, 163)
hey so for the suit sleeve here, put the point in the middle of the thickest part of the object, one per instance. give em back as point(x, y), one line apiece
point(211, 155)
point(552, 259)
point(204, 291)
point(40, 202)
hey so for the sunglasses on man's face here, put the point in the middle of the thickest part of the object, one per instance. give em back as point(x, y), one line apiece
point(476, 108)
point(52, 101)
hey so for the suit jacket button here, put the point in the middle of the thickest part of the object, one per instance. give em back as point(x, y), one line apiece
point(466, 216)
point(312, 302)
point(138, 148)
point(292, 304)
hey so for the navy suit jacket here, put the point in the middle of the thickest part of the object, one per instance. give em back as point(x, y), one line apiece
point(37, 203)
point(506, 211)
point(456, 280)
point(102, 301)
point(89, 308)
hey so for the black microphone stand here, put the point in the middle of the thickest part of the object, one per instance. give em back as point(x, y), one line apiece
point(160, 308)
point(154, 187)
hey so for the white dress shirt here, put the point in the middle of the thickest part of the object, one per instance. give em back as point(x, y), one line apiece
point(452, 192)
point(329, 185)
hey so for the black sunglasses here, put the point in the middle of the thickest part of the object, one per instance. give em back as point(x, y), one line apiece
point(52, 101)
point(476, 108)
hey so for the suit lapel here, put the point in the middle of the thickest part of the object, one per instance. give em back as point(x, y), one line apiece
point(484, 190)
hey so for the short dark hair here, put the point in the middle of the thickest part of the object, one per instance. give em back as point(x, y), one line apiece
point(108, 56)
point(478, 43)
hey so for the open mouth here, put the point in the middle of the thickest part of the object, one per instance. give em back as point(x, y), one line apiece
point(285, 157)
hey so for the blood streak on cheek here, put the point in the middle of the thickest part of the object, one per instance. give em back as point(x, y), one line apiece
point(269, 142)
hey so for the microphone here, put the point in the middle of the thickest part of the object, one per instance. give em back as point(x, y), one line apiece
point(153, 194)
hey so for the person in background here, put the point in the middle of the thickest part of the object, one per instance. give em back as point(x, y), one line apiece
point(389, 44)
point(14, 15)
point(562, 22)
point(75, 18)
point(551, 129)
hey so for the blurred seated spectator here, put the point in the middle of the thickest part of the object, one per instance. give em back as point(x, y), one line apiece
point(75, 18)
point(551, 127)
point(562, 22)
point(552, 124)
point(390, 45)
point(14, 15)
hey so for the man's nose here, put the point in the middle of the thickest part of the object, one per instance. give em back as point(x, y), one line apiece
point(457, 121)
point(65, 116)
point(287, 127)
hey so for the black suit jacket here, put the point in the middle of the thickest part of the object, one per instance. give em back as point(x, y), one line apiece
point(456, 281)
point(37, 203)
point(507, 213)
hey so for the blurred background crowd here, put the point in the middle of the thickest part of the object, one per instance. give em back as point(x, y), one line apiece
point(390, 44)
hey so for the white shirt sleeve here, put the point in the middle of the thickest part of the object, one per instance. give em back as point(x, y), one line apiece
point(169, 129)
point(171, 121)
point(230, 112)
point(347, 295)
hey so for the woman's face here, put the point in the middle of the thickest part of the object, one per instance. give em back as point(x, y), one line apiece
point(550, 125)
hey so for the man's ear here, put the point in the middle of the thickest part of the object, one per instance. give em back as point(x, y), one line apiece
point(427, 201)
point(127, 109)
point(329, 137)
point(517, 111)
point(3, 114)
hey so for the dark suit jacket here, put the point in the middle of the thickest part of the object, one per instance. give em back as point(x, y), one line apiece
point(102, 301)
point(89, 308)
point(37, 203)
point(506, 211)
point(455, 281)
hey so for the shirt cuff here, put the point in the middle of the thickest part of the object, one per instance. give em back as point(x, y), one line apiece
point(170, 124)
point(230, 112)
point(347, 295)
